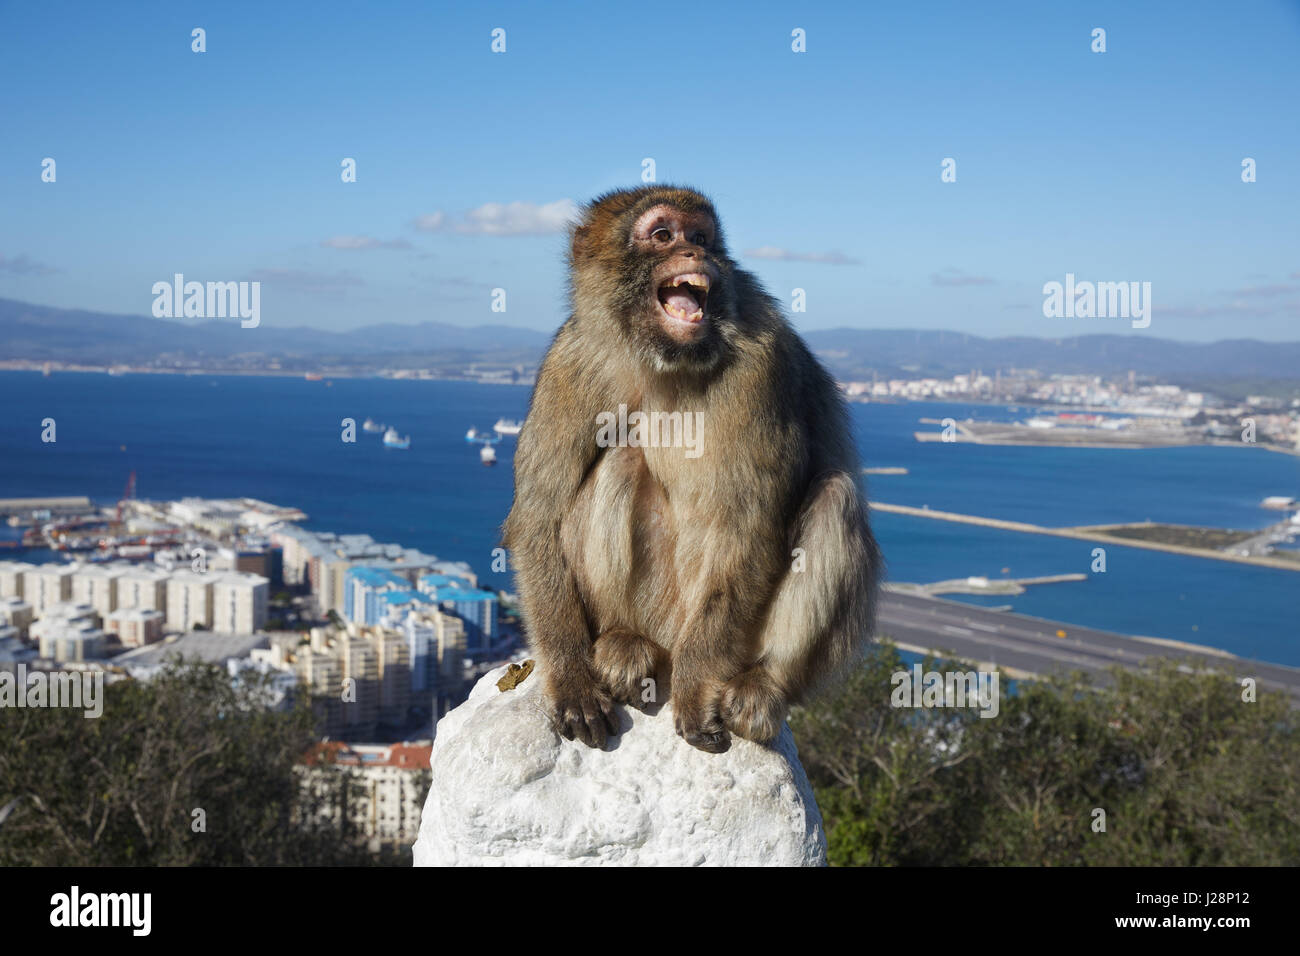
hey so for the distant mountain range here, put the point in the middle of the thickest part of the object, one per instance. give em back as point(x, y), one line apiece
point(857, 352)
point(43, 333)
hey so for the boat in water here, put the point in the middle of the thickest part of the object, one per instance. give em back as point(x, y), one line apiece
point(394, 440)
point(371, 425)
point(488, 455)
point(474, 434)
point(507, 426)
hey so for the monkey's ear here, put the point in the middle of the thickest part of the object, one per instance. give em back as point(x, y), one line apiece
point(581, 236)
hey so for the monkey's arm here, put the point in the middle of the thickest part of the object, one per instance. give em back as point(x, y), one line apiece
point(556, 449)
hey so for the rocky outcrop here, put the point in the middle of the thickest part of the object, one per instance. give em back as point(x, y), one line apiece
point(508, 790)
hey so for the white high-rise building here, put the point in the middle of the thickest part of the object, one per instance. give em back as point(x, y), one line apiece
point(386, 789)
point(46, 585)
point(432, 638)
point(189, 600)
point(68, 632)
point(11, 577)
point(239, 602)
point(143, 587)
point(330, 587)
point(135, 626)
point(17, 613)
point(73, 642)
point(97, 585)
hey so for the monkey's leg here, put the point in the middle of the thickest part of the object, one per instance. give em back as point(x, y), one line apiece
point(753, 705)
point(820, 618)
point(630, 666)
point(696, 714)
point(710, 649)
point(581, 707)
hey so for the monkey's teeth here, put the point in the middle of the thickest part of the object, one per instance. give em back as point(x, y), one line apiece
point(694, 279)
point(682, 314)
point(682, 297)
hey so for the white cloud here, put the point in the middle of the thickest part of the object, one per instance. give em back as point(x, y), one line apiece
point(431, 222)
point(505, 219)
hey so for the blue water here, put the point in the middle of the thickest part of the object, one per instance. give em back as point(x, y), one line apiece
point(279, 439)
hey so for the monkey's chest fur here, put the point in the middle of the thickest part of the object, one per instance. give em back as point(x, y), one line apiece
point(642, 536)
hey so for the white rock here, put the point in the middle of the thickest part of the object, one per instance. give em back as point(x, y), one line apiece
point(509, 791)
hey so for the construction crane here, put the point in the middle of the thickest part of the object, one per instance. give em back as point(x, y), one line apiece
point(127, 494)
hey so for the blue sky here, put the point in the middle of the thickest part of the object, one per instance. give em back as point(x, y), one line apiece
point(225, 165)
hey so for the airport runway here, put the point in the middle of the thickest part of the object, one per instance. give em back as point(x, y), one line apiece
point(1029, 646)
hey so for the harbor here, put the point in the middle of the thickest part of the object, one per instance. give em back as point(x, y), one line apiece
point(438, 496)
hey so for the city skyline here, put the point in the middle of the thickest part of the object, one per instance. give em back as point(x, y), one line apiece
point(1122, 166)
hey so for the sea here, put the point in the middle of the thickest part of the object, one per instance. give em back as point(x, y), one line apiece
point(279, 439)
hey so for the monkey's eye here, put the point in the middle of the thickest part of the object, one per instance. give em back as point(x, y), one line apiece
point(661, 235)
point(700, 239)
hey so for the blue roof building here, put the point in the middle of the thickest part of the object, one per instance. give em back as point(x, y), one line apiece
point(429, 583)
point(365, 590)
point(477, 608)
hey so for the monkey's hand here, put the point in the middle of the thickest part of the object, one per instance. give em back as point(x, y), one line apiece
point(697, 714)
point(581, 708)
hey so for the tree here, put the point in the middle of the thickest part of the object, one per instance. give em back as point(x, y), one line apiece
point(186, 769)
point(1185, 772)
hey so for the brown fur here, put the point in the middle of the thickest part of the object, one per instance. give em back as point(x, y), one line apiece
point(692, 556)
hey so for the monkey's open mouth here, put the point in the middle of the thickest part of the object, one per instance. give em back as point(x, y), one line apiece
point(683, 297)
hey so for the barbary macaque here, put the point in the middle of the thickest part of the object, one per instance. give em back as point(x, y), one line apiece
point(736, 570)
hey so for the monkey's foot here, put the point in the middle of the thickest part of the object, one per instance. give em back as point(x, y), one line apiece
point(583, 709)
point(628, 665)
point(752, 706)
point(697, 719)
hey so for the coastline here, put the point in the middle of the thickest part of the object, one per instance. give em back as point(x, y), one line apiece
point(117, 372)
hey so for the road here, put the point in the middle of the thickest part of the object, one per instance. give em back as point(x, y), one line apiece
point(1029, 646)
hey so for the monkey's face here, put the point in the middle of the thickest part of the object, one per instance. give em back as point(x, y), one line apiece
point(675, 244)
point(654, 260)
